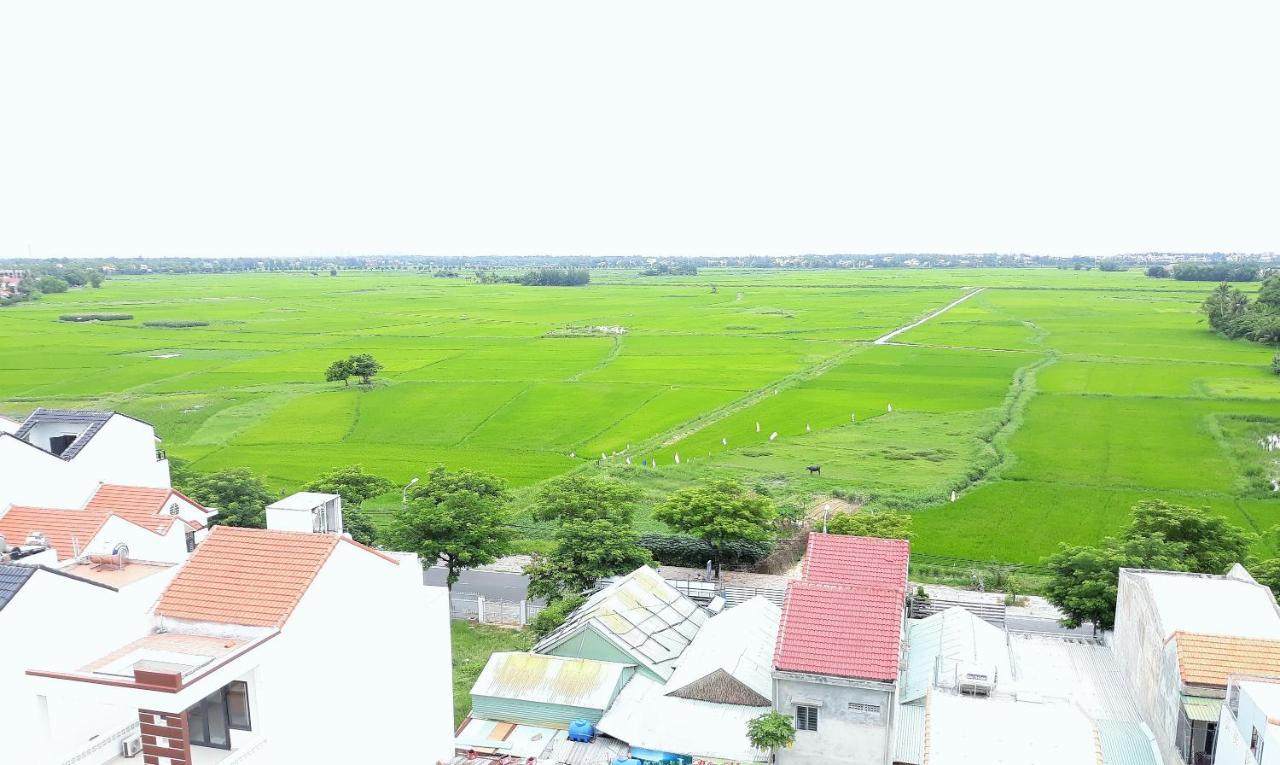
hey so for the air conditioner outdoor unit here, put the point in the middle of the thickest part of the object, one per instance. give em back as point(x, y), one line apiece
point(976, 680)
point(131, 747)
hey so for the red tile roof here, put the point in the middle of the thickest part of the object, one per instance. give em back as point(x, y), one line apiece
point(60, 527)
point(842, 631)
point(845, 617)
point(845, 560)
point(139, 504)
point(252, 577)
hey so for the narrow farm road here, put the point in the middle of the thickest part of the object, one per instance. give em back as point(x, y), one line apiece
point(885, 339)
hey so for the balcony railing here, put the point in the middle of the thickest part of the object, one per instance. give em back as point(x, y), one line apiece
point(112, 741)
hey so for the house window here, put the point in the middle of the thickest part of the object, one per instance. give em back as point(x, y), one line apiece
point(1255, 745)
point(866, 709)
point(806, 718)
point(59, 444)
point(191, 540)
point(238, 705)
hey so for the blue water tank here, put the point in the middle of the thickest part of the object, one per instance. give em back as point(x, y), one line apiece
point(581, 731)
point(627, 761)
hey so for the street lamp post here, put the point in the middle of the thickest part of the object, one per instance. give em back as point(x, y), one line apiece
point(404, 494)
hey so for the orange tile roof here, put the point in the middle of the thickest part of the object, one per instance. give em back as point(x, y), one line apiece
point(1209, 659)
point(252, 577)
point(60, 527)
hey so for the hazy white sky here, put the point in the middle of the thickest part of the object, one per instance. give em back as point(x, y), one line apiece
point(689, 127)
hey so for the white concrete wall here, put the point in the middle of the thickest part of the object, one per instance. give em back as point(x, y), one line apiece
point(1138, 645)
point(122, 452)
point(361, 671)
point(58, 623)
point(144, 544)
point(1236, 733)
point(843, 736)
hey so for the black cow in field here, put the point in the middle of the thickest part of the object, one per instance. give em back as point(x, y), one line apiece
point(815, 469)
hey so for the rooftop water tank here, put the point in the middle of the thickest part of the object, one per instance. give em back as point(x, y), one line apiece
point(581, 731)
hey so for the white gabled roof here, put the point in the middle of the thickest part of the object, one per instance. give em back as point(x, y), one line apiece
point(533, 677)
point(643, 717)
point(1212, 605)
point(643, 615)
point(9, 426)
point(941, 643)
point(303, 500)
point(739, 643)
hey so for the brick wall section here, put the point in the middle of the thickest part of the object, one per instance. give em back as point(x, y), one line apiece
point(166, 738)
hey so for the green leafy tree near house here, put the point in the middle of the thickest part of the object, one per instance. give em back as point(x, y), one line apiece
point(459, 519)
point(238, 493)
point(886, 525)
point(1085, 579)
point(595, 534)
point(719, 512)
point(1267, 572)
point(771, 731)
point(355, 486)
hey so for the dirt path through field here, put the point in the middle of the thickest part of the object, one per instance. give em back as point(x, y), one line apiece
point(884, 339)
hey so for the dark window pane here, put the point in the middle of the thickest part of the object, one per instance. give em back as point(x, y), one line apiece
point(238, 705)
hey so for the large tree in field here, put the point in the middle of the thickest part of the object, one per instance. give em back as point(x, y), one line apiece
point(365, 367)
point(1213, 545)
point(719, 512)
point(886, 525)
point(459, 519)
point(355, 487)
point(239, 495)
point(339, 371)
point(594, 537)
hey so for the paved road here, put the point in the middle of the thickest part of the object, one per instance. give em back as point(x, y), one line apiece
point(884, 339)
point(491, 584)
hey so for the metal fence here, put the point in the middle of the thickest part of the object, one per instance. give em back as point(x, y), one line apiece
point(478, 608)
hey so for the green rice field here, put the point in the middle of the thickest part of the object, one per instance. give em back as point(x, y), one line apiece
point(1050, 401)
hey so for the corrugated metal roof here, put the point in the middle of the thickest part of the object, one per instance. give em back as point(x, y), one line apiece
point(1202, 709)
point(909, 745)
point(938, 644)
point(543, 679)
point(738, 642)
point(963, 730)
point(643, 717)
point(11, 580)
point(1125, 743)
point(643, 615)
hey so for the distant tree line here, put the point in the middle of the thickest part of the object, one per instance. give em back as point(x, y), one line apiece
point(556, 277)
point(1216, 272)
point(47, 279)
point(676, 268)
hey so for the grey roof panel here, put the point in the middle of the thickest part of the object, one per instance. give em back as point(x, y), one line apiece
point(11, 580)
point(41, 416)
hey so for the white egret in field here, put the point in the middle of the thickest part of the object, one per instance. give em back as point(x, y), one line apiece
point(853, 417)
point(757, 426)
point(891, 407)
point(773, 435)
point(953, 496)
point(807, 429)
point(677, 458)
point(628, 460)
point(724, 441)
point(602, 457)
point(572, 455)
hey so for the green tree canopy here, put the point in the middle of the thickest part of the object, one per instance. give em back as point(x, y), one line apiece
point(582, 497)
point(1213, 545)
point(771, 731)
point(238, 493)
point(339, 371)
point(586, 550)
point(355, 486)
point(365, 367)
point(718, 512)
point(886, 525)
point(459, 519)
point(1267, 572)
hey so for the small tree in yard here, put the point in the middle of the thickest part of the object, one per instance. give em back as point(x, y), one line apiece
point(718, 512)
point(355, 487)
point(886, 525)
point(339, 370)
point(771, 731)
point(239, 495)
point(459, 519)
point(585, 498)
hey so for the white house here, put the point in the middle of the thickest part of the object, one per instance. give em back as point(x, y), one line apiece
point(158, 525)
point(58, 458)
point(1249, 725)
point(276, 645)
point(306, 511)
point(1177, 637)
point(839, 651)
